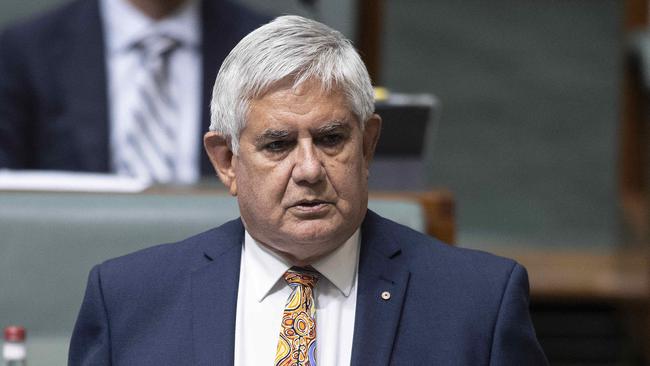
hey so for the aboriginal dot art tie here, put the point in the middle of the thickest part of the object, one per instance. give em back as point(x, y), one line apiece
point(297, 344)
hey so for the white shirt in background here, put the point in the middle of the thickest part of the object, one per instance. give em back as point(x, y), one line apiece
point(124, 25)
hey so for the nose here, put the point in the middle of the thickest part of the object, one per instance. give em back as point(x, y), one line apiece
point(308, 167)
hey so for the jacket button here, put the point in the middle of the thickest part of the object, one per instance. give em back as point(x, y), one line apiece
point(385, 295)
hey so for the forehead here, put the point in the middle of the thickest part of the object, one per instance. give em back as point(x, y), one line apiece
point(307, 103)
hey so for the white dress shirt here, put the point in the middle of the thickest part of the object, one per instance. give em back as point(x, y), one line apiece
point(263, 294)
point(124, 25)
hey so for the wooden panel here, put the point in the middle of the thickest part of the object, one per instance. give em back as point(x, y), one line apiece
point(635, 14)
point(370, 20)
point(621, 279)
point(584, 275)
point(633, 140)
point(633, 160)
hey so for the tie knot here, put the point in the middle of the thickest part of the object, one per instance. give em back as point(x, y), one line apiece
point(301, 276)
point(157, 45)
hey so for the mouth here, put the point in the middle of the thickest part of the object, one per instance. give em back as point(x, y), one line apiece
point(311, 208)
point(310, 203)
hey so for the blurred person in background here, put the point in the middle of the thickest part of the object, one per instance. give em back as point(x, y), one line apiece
point(116, 86)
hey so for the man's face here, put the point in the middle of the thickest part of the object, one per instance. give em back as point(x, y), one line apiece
point(302, 169)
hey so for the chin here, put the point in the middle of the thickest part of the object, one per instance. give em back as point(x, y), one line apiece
point(313, 237)
point(319, 233)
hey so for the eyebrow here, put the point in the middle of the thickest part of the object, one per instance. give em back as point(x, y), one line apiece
point(272, 134)
point(332, 127)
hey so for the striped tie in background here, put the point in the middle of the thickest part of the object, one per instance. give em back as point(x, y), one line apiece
point(148, 148)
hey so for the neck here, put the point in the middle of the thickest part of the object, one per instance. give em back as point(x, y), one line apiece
point(157, 9)
point(296, 261)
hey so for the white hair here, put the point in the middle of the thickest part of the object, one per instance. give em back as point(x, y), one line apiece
point(289, 47)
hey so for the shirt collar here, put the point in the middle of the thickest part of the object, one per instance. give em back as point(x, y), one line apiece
point(124, 24)
point(267, 267)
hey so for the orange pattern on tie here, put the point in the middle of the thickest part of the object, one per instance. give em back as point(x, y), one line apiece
point(297, 344)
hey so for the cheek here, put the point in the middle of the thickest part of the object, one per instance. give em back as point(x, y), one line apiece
point(347, 174)
point(263, 185)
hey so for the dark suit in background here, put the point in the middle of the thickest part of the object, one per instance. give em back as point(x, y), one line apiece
point(176, 304)
point(53, 84)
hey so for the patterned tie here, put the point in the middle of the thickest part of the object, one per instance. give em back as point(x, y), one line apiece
point(297, 345)
point(148, 144)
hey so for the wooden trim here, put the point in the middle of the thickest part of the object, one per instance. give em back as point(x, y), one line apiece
point(635, 14)
point(634, 135)
point(563, 275)
point(633, 182)
point(370, 18)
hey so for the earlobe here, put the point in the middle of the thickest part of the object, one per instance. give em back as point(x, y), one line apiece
point(222, 159)
point(371, 134)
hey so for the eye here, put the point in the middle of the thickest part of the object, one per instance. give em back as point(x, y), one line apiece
point(278, 145)
point(331, 140)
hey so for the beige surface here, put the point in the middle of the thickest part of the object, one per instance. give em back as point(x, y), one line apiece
point(584, 275)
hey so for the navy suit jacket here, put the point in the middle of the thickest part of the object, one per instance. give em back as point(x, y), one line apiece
point(175, 304)
point(53, 84)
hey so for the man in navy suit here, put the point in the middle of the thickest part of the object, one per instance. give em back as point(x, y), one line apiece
point(63, 77)
point(307, 275)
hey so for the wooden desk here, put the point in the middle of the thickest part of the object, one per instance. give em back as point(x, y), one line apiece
point(617, 278)
point(569, 275)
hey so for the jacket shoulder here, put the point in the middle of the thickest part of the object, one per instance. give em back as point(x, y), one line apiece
point(430, 258)
point(170, 259)
point(477, 302)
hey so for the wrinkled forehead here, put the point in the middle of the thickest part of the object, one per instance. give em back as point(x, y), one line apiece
point(312, 88)
point(297, 85)
point(307, 103)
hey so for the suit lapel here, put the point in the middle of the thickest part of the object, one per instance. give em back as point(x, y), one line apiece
point(214, 298)
point(84, 84)
point(380, 273)
point(210, 65)
point(215, 285)
point(216, 33)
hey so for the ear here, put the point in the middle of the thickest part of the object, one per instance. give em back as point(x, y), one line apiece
point(370, 137)
point(222, 158)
